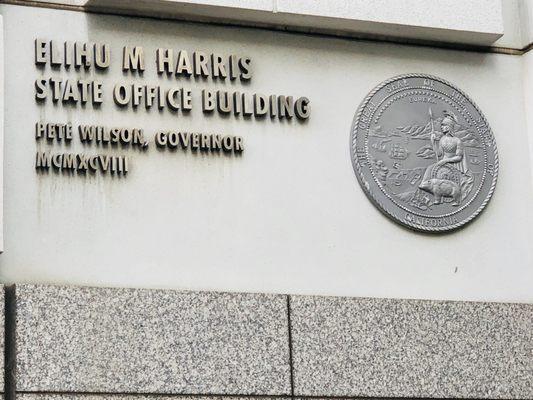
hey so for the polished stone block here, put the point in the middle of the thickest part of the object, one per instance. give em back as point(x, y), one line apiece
point(80, 339)
point(409, 348)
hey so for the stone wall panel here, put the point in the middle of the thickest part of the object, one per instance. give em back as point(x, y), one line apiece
point(80, 339)
point(410, 348)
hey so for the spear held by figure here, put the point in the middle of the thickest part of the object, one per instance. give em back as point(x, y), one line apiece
point(433, 136)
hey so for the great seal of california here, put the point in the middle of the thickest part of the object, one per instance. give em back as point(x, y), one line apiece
point(424, 153)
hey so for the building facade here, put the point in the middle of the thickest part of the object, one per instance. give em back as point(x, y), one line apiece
point(267, 198)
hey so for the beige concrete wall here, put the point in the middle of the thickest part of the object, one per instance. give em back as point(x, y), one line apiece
point(286, 216)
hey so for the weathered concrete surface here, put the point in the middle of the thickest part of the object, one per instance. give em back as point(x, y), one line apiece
point(288, 216)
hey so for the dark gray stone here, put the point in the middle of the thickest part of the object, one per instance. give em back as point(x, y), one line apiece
point(79, 339)
point(410, 348)
point(2, 336)
point(79, 396)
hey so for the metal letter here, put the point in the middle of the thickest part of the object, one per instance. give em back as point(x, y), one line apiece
point(208, 100)
point(233, 67)
point(204, 145)
point(224, 102)
point(55, 84)
point(102, 56)
point(165, 60)
point(260, 105)
point(93, 163)
point(133, 59)
point(227, 143)
point(40, 51)
point(150, 94)
point(81, 55)
point(216, 142)
point(218, 67)
point(39, 130)
point(42, 160)
point(239, 144)
point(184, 64)
point(68, 131)
point(137, 94)
point(121, 94)
point(173, 140)
point(84, 90)
point(286, 106)
point(200, 64)
point(68, 52)
point(50, 131)
point(97, 93)
point(302, 108)
point(273, 106)
point(186, 100)
point(104, 163)
point(69, 161)
point(69, 94)
point(40, 89)
point(55, 58)
point(237, 103)
point(172, 101)
point(195, 140)
point(246, 69)
point(160, 139)
point(57, 160)
point(247, 106)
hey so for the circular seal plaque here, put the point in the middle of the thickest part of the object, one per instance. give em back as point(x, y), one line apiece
point(424, 153)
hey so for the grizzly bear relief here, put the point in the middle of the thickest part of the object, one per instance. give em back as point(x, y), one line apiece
point(441, 188)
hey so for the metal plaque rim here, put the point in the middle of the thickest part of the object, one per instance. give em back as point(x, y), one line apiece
point(368, 190)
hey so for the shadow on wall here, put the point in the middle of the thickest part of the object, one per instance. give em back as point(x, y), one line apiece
point(169, 33)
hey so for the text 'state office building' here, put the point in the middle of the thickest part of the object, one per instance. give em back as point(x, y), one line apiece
point(267, 199)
